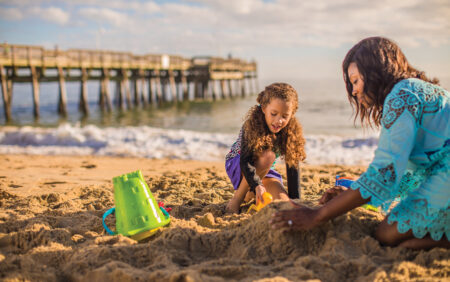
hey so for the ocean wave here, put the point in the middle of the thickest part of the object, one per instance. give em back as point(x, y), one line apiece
point(150, 142)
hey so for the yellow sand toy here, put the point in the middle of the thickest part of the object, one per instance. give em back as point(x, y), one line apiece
point(259, 205)
point(137, 213)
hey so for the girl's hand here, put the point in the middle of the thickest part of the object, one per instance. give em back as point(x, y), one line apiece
point(259, 191)
point(302, 218)
point(331, 193)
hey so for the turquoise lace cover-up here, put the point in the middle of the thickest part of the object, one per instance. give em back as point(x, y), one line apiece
point(411, 166)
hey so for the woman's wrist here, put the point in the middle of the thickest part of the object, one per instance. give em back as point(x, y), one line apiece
point(321, 214)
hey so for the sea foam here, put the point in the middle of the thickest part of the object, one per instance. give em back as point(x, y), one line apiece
point(150, 142)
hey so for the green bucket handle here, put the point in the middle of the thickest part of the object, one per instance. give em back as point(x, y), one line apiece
point(113, 210)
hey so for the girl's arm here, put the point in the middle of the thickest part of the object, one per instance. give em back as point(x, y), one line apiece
point(293, 181)
point(247, 165)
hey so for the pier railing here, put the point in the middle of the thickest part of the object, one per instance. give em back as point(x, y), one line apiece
point(153, 78)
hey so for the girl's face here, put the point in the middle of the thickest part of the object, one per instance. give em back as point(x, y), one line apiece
point(357, 84)
point(277, 114)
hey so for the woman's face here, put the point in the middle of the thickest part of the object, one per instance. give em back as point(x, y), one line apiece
point(357, 84)
point(277, 114)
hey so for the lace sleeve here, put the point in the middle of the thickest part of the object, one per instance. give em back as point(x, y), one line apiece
point(381, 181)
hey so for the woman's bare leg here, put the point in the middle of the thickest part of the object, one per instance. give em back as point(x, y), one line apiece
point(388, 235)
point(425, 243)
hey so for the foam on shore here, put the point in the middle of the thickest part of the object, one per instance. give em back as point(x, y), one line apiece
point(150, 142)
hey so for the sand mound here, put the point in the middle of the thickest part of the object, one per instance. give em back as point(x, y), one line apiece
point(59, 236)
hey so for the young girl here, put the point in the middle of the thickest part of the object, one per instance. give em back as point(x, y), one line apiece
point(412, 161)
point(270, 130)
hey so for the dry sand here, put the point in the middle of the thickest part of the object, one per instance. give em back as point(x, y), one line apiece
point(51, 211)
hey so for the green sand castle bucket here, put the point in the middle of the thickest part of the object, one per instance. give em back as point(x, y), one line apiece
point(137, 213)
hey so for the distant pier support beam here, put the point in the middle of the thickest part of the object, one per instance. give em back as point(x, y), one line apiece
point(151, 89)
point(255, 77)
point(243, 92)
point(105, 97)
point(205, 92)
point(6, 93)
point(178, 86)
point(126, 86)
point(83, 105)
point(137, 83)
point(198, 89)
point(230, 88)
point(118, 95)
point(184, 85)
point(215, 91)
point(62, 101)
point(159, 86)
point(173, 88)
point(35, 86)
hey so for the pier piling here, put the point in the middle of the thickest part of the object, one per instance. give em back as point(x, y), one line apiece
point(154, 79)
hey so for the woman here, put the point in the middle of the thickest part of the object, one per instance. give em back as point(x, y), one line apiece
point(412, 161)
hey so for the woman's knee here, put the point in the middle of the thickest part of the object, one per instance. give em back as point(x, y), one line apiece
point(388, 235)
point(382, 234)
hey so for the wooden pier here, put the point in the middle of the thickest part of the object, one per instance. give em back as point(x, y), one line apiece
point(140, 79)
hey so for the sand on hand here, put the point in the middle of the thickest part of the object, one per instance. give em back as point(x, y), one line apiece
point(51, 211)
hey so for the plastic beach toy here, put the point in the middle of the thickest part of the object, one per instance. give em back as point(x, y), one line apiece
point(346, 182)
point(138, 215)
point(267, 200)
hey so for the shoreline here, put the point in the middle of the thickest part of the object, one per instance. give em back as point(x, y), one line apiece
point(51, 210)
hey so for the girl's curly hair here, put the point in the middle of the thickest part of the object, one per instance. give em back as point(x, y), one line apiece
point(381, 64)
point(289, 142)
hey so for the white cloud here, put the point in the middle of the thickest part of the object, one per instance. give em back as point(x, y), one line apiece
point(56, 15)
point(324, 23)
point(246, 28)
point(50, 14)
point(13, 14)
point(106, 15)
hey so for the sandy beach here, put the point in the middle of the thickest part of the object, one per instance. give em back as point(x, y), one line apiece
point(51, 229)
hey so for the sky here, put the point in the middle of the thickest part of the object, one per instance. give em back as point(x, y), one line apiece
point(290, 40)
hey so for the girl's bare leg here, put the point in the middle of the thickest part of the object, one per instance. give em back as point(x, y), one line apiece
point(239, 195)
point(388, 235)
point(263, 164)
point(275, 188)
point(249, 196)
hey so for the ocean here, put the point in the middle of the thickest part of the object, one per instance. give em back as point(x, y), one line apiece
point(196, 130)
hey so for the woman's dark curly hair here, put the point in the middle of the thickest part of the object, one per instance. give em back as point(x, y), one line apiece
point(289, 142)
point(381, 64)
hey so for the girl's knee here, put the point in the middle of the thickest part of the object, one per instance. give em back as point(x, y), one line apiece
point(265, 160)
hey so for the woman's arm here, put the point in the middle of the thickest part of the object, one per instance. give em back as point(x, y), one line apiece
point(304, 218)
point(341, 204)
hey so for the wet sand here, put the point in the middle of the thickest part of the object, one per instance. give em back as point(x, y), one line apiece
point(51, 229)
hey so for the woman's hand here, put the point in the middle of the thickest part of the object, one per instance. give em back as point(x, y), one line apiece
point(302, 218)
point(331, 193)
point(259, 191)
